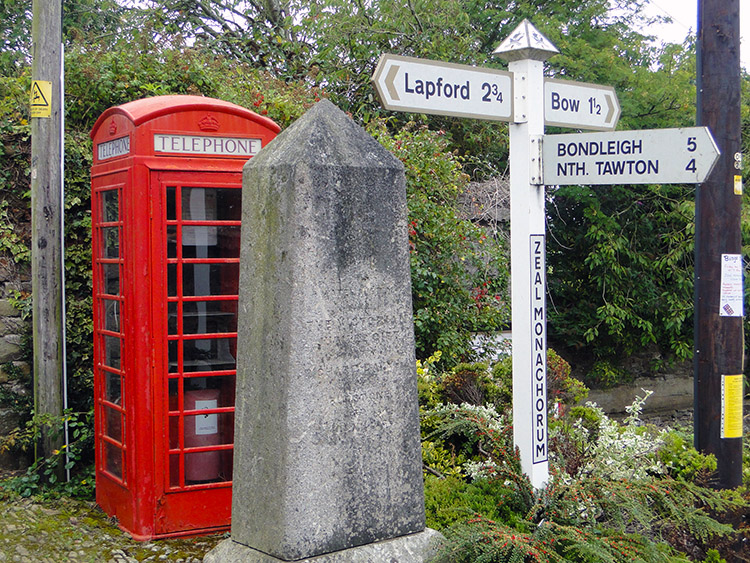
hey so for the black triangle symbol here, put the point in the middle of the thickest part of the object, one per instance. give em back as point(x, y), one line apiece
point(37, 97)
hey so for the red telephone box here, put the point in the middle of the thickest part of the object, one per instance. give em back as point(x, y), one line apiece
point(166, 187)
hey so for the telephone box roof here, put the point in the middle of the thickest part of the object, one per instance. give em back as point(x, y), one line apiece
point(140, 111)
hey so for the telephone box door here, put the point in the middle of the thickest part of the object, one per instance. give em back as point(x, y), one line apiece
point(199, 233)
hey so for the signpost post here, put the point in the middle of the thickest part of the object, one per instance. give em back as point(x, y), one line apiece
point(526, 49)
point(529, 102)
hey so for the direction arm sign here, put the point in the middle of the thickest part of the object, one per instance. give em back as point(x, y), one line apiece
point(651, 156)
point(580, 105)
point(439, 88)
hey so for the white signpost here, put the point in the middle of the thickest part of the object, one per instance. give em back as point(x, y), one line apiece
point(525, 99)
point(434, 87)
point(651, 156)
point(580, 105)
point(526, 49)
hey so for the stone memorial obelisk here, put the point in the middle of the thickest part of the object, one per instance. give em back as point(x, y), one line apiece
point(327, 462)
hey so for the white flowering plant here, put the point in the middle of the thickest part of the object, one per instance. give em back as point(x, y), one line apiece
point(617, 451)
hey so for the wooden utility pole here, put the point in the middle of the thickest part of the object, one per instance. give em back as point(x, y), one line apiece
point(719, 342)
point(46, 214)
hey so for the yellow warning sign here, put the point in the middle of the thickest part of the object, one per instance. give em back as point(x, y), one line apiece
point(41, 95)
point(738, 185)
point(731, 406)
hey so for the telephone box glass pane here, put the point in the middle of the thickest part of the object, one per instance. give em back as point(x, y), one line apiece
point(217, 390)
point(172, 318)
point(112, 352)
point(207, 317)
point(171, 241)
point(202, 262)
point(208, 241)
point(111, 279)
point(113, 388)
point(199, 204)
point(229, 204)
point(173, 355)
point(111, 315)
point(207, 467)
point(210, 429)
point(172, 280)
point(174, 470)
point(214, 354)
point(113, 459)
point(174, 425)
point(218, 387)
point(171, 205)
point(113, 424)
point(111, 242)
point(110, 206)
point(210, 279)
point(211, 204)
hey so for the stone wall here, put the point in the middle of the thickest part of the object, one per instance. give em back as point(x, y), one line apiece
point(12, 327)
point(671, 392)
point(670, 381)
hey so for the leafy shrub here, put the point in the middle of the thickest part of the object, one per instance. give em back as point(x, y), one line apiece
point(683, 461)
point(562, 388)
point(440, 461)
point(452, 500)
point(610, 496)
point(75, 459)
point(623, 269)
point(467, 383)
point(620, 452)
point(428, 381)
point(502, 375)
point(605, 375)
point(713, 556)
point(484, 475)
point(484, 540)
point(459, 274)
point(479, 435)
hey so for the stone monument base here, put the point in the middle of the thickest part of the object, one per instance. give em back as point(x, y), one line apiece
point(414, 548)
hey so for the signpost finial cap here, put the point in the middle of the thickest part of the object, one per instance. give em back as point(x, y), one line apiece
point(526, 42)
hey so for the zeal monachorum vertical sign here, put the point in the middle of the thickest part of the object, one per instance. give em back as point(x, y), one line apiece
point(527, 101)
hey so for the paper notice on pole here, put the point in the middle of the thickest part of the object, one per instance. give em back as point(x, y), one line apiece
point(731, 406)
point(731, 286)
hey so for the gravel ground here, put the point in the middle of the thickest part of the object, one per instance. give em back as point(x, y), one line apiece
point(79, 532)
point(676, 419)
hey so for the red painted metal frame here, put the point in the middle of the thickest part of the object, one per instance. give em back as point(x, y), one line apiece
point(134, 480)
